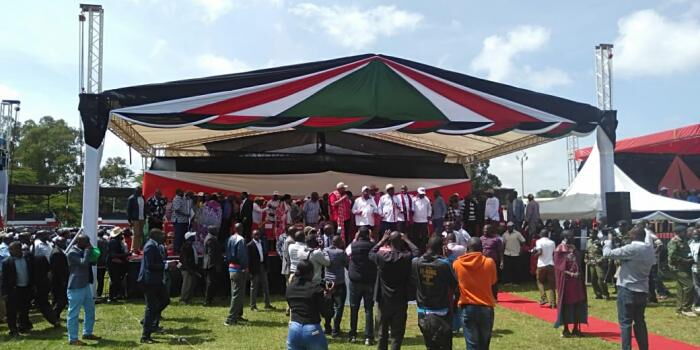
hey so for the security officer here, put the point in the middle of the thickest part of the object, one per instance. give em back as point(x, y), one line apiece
point(680, 262)
point(597, 268)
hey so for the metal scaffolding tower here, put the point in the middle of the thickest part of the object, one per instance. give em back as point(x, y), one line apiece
point(94, 16)
point(603, 74)
point(9, 111)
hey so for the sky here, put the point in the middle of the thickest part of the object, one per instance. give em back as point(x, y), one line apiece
point(546, 46)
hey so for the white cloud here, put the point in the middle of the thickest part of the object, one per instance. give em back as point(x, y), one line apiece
point(213, 9)
point(356, 28)
point(499, 53)
point(8, 93)
point(649, 44)
point(213, 64)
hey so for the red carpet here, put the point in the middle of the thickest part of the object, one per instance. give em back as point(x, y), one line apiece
point(609, 331)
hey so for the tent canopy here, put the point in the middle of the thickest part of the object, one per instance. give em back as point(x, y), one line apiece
point(582, 198)
point(378, 96)
point(681, 141)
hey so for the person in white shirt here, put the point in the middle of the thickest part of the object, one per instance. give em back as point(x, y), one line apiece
point(389, 210)
point(544, 251)
point(422, 212)
point(42, 246)
point(404, 219)
point(511, 256)
point(364, 209)
point(258, 213)
point(491, 209)
point(296, 252)
point(461, 235)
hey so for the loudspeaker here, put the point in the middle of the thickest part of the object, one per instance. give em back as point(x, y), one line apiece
point(618, 207)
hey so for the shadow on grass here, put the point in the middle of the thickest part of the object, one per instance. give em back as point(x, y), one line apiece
point(186, 331)
point(187, 319)
point(497, 333)
point(268, 323)
point(188, 341)
point(112, 344)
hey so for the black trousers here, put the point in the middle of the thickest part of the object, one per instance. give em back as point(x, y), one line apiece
point(157, 299)
point(510, 268)
point(41, 299)
point(101, 272)
point(419, 235)
point(117, 272)
point(60, 297)
point(393, 317)
point(17, 307)
point(211, 282)
point(437, 331)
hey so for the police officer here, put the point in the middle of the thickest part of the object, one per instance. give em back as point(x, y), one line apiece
point(597, 269)
point(680, 262)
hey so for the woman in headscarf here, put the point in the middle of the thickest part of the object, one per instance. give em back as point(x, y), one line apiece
point(572, 303)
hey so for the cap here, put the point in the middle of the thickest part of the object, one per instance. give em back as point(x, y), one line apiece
point(404, 187)
point(421, 190)
point(388, 186)
point(340, 185)
point(276, 193)
point(364, 188)
point(190, 234)
point(679, 228)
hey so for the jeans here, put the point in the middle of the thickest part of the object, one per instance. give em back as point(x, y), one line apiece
point(457, 319)
point(238, 280)
point(365, 293)
point(393, 318)
point(259, 281)
point(339, 295)
point(436, 331)
point(80, 298)
point(478, 325)
point(630, 314)
point(306, 337)
point(157, 299)
point(438, 226)
point(180, 230)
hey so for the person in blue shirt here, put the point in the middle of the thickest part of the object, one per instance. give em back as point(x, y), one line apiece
point(237, 259)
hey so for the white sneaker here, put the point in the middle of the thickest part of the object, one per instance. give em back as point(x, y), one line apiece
point(689, 314)
point(697, 309)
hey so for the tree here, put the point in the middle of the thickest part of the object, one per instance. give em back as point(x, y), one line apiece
point(115, 173)
point(138, 179)
point(548, 194)
point(50, 149)
point(482, 180)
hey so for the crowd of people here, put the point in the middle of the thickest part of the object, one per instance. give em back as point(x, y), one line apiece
point(377, 251)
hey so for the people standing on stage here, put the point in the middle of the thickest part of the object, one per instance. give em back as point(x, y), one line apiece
point(476, 275)
point(294, 214)
point(422, 212)
point(180, 218)
point(258, 268)
point(334, 280)
point(229, 213)
point(210, 214)
point(271, 213)
point(572, 305)
point(454, 213)
point(212, 264)
point(404, 219)
point(237, 260)
point(513, 241)
point(544, 251)
point(16, 289)
point(388, 209)
point(532, 215)
point(307, 303)
point(312, 210)
point(597, 268)
point(394, 272)
point(189, 268)
point(469, 216)
point(136, 214)
point(282, 215)
point(516, 211)
point(439, 211)
point(492, 208)
point(80, 278)
point(680, 261)
point(362, 273)
point(59, 276)
point(340, 209)
point(156, 210)
point(258, 210)
point(435, 286)
point(364, 209)
point(246, 215)
point(154, 290)
point(636, 259)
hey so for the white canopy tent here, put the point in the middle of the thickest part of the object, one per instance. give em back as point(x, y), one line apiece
point(582, 199)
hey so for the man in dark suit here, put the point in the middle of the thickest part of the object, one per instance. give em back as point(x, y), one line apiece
point(136, 213)
point(59, 276)
point(257, 267)
point(246, 214)
point(212, 263)
point(151, 277)
point(16, 289)
point(42, 284)
point(188, 269)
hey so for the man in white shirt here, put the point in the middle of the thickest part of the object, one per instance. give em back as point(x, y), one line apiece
point(511, 256)
point(422, 212)
point(42, 246)
point(491, 209)
point(461, 235)
point(389, 210)
point(364, 209)
point(257, 213)
point(544, 251)
point(405, 219)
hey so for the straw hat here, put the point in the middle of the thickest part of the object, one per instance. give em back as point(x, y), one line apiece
point(116, 232)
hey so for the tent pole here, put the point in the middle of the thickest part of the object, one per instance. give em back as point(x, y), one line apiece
point(605, 138)
point(91, 191)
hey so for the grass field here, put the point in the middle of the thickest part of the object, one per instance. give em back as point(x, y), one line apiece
point(199, 327)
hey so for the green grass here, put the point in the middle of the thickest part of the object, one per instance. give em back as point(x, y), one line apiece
point(661, 318)
point(199, 327)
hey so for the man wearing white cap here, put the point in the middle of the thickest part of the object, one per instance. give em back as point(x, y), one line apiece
point(340, 207)
point(364, 209)
point(388, 209)
point(422, 211)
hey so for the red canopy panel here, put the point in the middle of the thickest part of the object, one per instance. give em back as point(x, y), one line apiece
point(682, 141)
